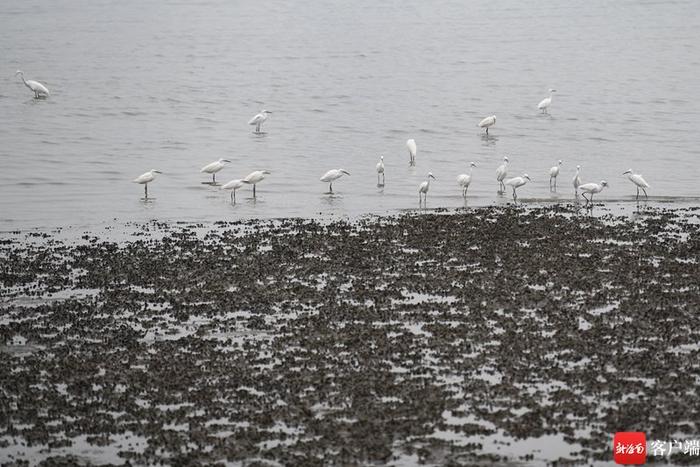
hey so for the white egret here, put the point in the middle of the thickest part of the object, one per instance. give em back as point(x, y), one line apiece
point(254, 178)
point(487, 122)
point(638, 180)
point(501, 173)
point(546, 102)
point(380, 169)
point(214, 167)
point(577, 180)
point(234, 185)
point(412, 150)
point(333, 175)
point(146, 178)
point(465, 179)
point(36, 87)
point(517, 182)
point(553, 173)
point(424, 187)
point(259, 119)
point(591, 189)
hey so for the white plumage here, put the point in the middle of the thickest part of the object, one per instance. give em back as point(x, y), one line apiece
point(259, 119)
point(517, 182)
point(487, 122)
point(424, 187)
point(36, 87)
point(501, 173)
point(255, 177)
point(577, 180)
point(332, 175)
point(546, 102)
point(412, 151)
point(553, 173)
point(146, 178)
point(214, 167)
point(465, 179)
point(380, 169)
point(592, 189)
point(638, 180)
point(233, 185)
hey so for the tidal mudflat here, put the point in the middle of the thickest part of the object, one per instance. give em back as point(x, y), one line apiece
point(494, 335)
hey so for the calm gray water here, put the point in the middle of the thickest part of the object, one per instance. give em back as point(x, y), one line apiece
point(171, 85)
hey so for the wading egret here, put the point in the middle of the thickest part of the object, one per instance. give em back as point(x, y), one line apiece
point(553, 172)
point(591, 189)
point(412, 150)
point(465, 179)
point(424, 187)
point(517, 182)
point(380, 170)
point(639, 181)
point(501, 173)
point(259, 119)
point(214, 167)
point(577, 180)
point(146, 178)
point(254, 178)
point(546, 102)
point(333, 175)
point(37, 88)
point(233, 185)
point(487, 122)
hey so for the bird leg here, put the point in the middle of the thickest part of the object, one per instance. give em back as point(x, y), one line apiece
point(515, 197)
point(233, 194)
point(637, 197)
point(145, 190)
point(330, 187)
point(213, 179)
point(645, 193)
point(253, 190)
point(487, 130)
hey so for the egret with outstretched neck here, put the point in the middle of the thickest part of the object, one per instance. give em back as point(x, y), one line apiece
point(333, 175)
point(553, 173)
point(214, 167)
point(146, 178)
point(591, 189)
point(488, 122)
point(639, 181)
point(423, 189)
point(234, 185)
point(577, 180)
point(254, 178)
point(36, 87)
point(501, 173)
point(259, 119)
point(465, 179)
point(412, 150)
point(546, 102)
point(380, 170)
point(517, 182)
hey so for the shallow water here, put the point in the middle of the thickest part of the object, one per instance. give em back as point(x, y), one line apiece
point(170, 85)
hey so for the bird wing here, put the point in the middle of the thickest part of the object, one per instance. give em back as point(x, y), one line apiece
point(423, 186)
point(486, 121)
point(639, 180)
point(328, 176)
point(588, 186)
point(253, 177)
point(256, 119)
point(233, 184)
point(553, 171)
point(543, 103)
point(411, 145)
point(210, 167)
point(463, 179)
point(144, 178)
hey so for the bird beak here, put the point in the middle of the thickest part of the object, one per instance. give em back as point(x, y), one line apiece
point(226, 160)
point(266, 172)
point(433, 177)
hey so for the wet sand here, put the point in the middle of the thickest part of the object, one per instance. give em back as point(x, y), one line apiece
point(492, 335)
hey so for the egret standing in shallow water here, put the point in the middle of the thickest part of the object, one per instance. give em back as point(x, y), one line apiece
point(36, 87)
point(577, 180)
point(412, 150)
point(553, 173)
point(233, 185)
point(333, 175)
point(146, 178)
point(259, 119)
point(213, 168)
point(639, 181)
point(380, 170)
point(487, 122)
point(591, 189)
point(465, 179)
point(546, 102)
point(423, 189)
point(517, 182)
point(501, 173)
point(254, 178)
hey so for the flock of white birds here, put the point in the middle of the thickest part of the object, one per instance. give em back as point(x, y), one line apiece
point(463, 180)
